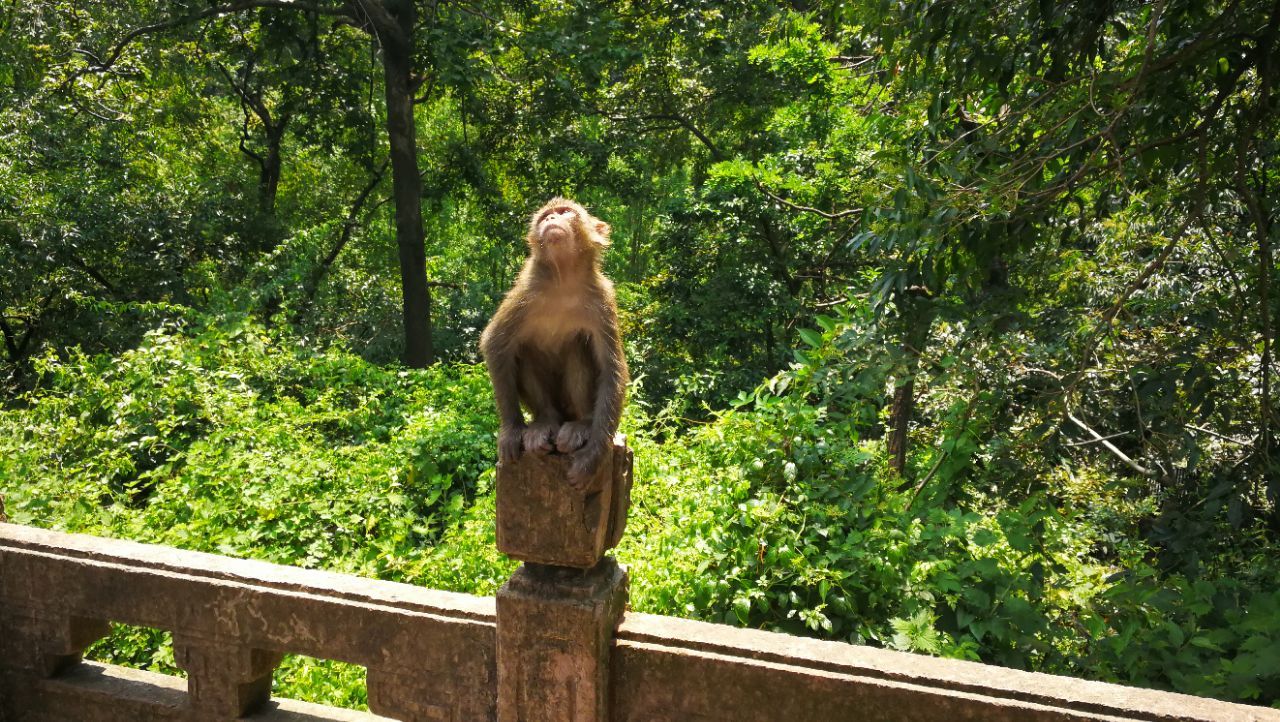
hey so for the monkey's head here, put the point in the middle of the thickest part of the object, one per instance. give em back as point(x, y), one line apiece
point(563, 231)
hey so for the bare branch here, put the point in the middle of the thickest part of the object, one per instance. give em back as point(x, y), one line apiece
point(831, 215)
point(832, 302)
point(1112, 448)
point(1089, 442)
point(1224, 437)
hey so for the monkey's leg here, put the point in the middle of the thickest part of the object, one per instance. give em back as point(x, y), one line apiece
point(579, 383)
point(608, 387)
point(535, 379)
point(573, 435)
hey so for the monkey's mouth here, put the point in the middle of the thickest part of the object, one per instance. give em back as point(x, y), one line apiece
point(551, 234)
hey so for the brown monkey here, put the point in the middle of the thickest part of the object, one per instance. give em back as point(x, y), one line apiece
point(554, 345)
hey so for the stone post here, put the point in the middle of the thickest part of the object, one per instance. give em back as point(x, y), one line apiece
point(558, 612)
point(43, 642)
point(542, 519)
point(225, 680)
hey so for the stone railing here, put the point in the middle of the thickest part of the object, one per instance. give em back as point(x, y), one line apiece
point(556, 643)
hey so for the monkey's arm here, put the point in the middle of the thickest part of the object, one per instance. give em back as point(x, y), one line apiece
point(606, 347)
point(499, 357)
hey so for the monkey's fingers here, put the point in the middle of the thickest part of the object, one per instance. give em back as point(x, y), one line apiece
point(540, 438)
point(572, 437)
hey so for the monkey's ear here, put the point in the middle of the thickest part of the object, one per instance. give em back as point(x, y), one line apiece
point(602, 232)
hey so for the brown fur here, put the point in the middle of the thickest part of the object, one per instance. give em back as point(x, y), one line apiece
point(553, 345)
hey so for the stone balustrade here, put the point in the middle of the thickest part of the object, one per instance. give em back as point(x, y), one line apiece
point(556, 643)
point(429, 654)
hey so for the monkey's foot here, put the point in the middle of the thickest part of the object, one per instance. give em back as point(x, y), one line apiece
point(509, 443)
point(540, 437)
point(586, 462)
point(573, 436)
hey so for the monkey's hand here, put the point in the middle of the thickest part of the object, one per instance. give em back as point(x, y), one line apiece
point(540, 437)
point(509, 443)
point(586, 461)
point(573, 436)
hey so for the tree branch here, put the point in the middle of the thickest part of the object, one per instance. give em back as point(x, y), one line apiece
point(348, 227)
point(110, 58)
point(1112, 448)
point(94, 274)
point(831, 215)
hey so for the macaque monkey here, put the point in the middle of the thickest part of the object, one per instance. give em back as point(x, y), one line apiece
point(554, 346)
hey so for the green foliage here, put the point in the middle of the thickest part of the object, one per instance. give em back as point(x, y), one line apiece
point(1032, 241)
point(782, 515)
point(224, 437)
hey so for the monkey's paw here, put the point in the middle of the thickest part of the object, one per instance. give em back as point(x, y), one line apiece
point(509, 443)
point(540, 437)
point(573, 436)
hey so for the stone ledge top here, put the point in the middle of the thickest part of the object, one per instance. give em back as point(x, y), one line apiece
point(733, 643)
point(252, 572)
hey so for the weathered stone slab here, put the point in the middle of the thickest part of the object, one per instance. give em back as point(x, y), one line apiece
point(667, 669)
point(555, 633)
point(542, 519)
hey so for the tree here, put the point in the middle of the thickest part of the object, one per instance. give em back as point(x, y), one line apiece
point(393, 23)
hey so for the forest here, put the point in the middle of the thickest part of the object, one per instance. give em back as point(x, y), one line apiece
point(951, 325)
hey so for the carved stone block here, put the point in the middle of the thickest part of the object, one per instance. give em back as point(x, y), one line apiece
point(542, 519)
point(224, 680)
point(555, 632)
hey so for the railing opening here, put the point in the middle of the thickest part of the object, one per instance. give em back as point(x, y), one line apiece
point(321, 681)
point(136, 647)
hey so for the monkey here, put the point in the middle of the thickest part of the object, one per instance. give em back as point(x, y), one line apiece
point(554, 346)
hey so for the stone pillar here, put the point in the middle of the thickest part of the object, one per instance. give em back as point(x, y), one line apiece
point(225, 680)
point(558, 612)
point(555, 634)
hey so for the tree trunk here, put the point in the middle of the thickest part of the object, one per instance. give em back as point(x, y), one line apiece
point(394, 28)
point(10, 341)
point(271, 165)
point(269, 175)
point(917, 318)
point(904, 402)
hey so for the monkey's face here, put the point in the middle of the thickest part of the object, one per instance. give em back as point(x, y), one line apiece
point(563, 232)
point(557, 225)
